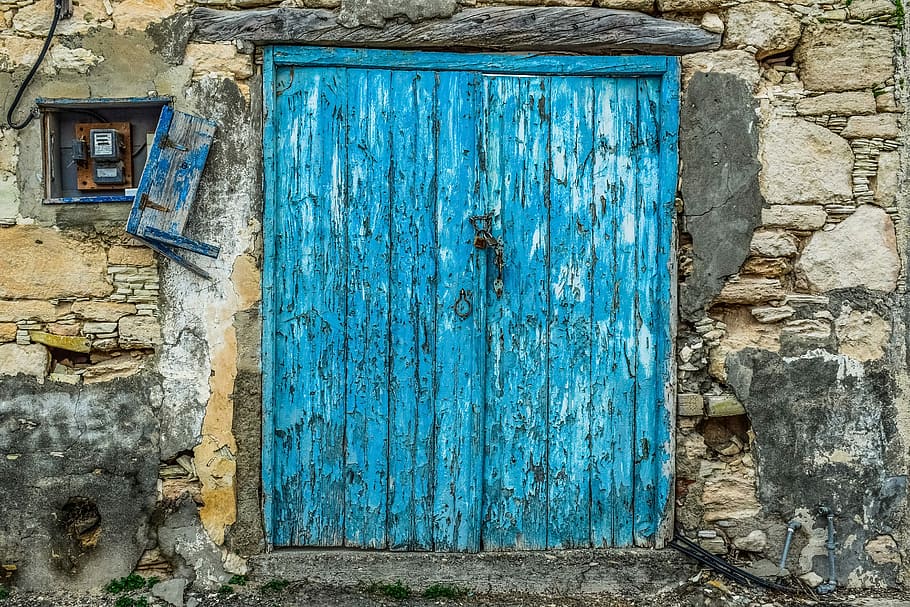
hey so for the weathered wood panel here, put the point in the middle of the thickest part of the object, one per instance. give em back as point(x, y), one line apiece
point(369, 251)
point(460, 344)
point(613, 374)
point(546, 29)
point(310, 327)
point(571, 301)
point(647, 377)
point(515, 482)
point(413, 310)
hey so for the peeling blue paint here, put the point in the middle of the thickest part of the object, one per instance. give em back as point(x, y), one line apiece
point(538, 418)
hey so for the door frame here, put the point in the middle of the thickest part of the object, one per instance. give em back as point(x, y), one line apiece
point(665, 67)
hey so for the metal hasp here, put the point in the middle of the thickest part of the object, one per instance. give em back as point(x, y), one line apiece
point(168, 186)
point(831, 583)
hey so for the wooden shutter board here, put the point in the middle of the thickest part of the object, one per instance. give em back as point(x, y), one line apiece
point(168, 186)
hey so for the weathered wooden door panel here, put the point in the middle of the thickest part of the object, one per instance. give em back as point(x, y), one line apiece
point(411, 402)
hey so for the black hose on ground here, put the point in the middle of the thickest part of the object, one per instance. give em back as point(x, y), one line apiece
point(694, 551)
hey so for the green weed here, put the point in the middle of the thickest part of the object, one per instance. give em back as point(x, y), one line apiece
point(225, 589)
point(397, 591)
point(275, 586)
point(237, 580)
point(445, 591)
point(4, 593)
point(151, 582)
point(125, 584)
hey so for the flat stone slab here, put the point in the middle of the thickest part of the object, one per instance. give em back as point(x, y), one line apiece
point(628, 572)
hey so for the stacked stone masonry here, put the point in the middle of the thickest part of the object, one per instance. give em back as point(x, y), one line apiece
point(817, 299)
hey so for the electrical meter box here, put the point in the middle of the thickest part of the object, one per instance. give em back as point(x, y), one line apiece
point(95, 149)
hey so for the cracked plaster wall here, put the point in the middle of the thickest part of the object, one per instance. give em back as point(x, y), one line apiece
point(767, 166)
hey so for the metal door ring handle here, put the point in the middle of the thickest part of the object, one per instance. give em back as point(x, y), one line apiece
point(463, 307)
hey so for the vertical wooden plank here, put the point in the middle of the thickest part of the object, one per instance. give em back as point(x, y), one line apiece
point(666, 325)
point(569, 329)
point(459, 357)
point(269, 304)
point(614, 331)
point(309, 373)
point(413, 310)
point(367, 411)
point(649, 394)
point(515, 490)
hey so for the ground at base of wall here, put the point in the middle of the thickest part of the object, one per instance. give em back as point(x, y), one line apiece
point(704, 590)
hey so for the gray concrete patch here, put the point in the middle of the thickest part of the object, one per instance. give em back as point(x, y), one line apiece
point(718, 148)
point(78, 469)
point(638, 572)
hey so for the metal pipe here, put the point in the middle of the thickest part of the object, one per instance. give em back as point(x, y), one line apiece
point(831, 584)
point(791, 527)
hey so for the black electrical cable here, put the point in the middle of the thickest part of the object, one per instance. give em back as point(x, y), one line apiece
point(58, 10)
point(694, 551)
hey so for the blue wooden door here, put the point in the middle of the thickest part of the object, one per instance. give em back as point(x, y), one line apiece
point(414, 401)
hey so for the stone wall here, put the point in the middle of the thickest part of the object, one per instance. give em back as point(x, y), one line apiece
point(792, 348)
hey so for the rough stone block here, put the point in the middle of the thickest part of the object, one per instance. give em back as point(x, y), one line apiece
point(114, 368)
point(862, 335)
point(730, 495)
point(767, 27)
point(33, 360)
point(724, 405)
point(103, 311)
point(690, 405)
point(712, 22)
point(807, 329)
point(139, 332)
point(771, 314)
point(853, 103)
point(738, 63)
point(886, 102)
point(68, 329)
point(35, 18)
point(42, 263)
point(774, 243)
point(794, 216)
point(767, 267)
point(861, 251)
point(755, 541)
point(887, 178)
point(883, 549)
point(170, 591)
point(139, 14)
point(99, 327)
point(883, 126)
point(845, 57)
point(804, 163)
point(751, 291)
point(130, 256)
point(869, 9)
point(219, 60)
point(79, 60)
point(8, 331)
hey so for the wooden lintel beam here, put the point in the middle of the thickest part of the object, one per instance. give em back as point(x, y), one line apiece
point(547, 29)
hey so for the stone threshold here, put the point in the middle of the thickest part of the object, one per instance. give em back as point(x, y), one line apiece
point(616, 571)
